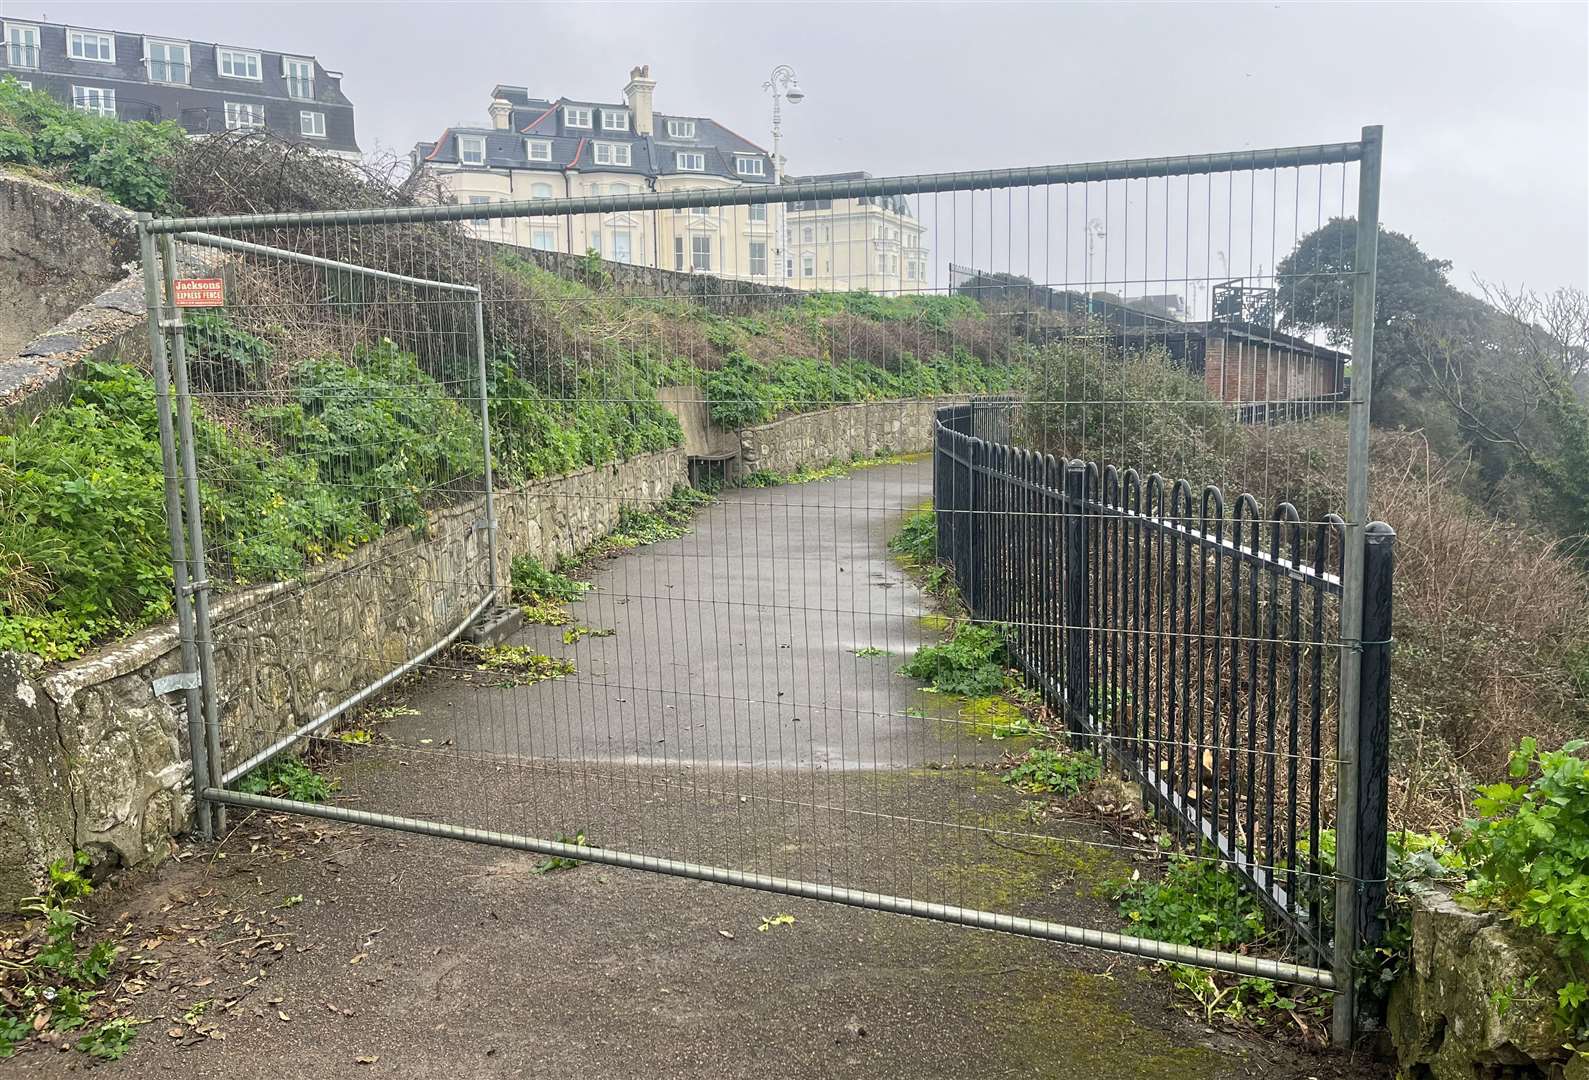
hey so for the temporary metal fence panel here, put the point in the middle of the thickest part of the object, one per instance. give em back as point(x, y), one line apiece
point(403, 416)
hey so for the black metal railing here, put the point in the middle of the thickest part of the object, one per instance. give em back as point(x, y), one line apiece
point(1190, 640)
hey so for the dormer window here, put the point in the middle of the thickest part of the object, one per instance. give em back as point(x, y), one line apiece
point(91, 45)
point(610, 153)
point(167, 61)
point(576, 117)
point(750, 166)
point(538, 149)
point(472, 149)
point(689, 161)
point(615, 119)
point(237, 64)
point(681, 129)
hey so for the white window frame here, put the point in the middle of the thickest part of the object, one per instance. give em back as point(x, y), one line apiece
point(543, 239)
point(680, 156)
point(627, 254)
point(593, 243)
point(287, 63)
point(235, 111)
point(758, 212)
point(307, 128)
point(480, 200)
point(223, 55)
point(750, 166)
point(615, 119)
point(615, 153)
point(808, 265)
point(26, 84)
point(104, 103)
point(149, 60)
point(701, 260)
point(678, 253)
point(536, 193)
point(32, 46)
point(808, 234)
point(681, 129)
point(577, 116)
point(75, 37)
point(475, 140)
point(538, 149)
point(754, 258)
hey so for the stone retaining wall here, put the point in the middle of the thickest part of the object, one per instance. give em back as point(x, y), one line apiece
point(1478, 999)
point(90, 758)
point(819, 438)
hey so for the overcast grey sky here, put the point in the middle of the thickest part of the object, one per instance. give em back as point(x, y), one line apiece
point(1485, 107)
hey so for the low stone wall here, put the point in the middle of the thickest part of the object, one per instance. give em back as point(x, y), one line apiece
point(816, 439)
point(1479, 999)
point(91, 758)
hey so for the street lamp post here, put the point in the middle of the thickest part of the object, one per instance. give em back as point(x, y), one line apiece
point(782, 85)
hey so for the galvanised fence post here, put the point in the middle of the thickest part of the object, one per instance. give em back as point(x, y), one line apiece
point(1075, 582)
point(1373, 737)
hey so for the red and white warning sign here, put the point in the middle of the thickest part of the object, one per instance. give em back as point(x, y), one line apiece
point(198, 292)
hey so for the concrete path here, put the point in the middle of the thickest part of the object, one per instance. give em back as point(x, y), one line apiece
point(736, 645)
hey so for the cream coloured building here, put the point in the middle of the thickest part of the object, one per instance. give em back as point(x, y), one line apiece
point(870, 243)
point(538, 148)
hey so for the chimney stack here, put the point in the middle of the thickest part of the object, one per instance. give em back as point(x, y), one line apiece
point(638, 95)
point(501, 111)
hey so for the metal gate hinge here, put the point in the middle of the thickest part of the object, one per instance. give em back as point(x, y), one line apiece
point(172, 324)
point(484, 526)
point(182, 680)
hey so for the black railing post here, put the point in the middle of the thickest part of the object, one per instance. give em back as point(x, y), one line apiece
point(976, 526)
point(1075, 579)
point(1373, 742)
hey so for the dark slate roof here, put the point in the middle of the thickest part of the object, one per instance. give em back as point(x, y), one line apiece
point(199, 104)
point(649, 155)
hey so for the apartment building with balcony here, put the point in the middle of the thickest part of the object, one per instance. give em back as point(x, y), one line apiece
point(204, 86)
point(565, 147)
point(845, 244)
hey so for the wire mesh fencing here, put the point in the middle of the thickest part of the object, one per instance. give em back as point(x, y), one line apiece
point(441, 540)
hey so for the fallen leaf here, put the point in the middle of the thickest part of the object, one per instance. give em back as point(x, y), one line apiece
point(370, 1059)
